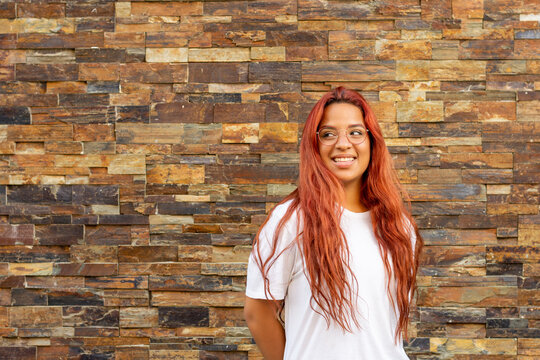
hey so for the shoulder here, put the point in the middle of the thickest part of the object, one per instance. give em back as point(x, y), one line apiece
point(277, 215)
point(280, 211)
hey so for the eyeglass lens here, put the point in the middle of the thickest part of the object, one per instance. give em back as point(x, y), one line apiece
point(355, 135)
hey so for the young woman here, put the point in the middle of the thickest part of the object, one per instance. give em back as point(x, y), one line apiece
point(337, 258)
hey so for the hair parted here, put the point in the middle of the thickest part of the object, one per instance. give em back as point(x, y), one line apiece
point(325, 251)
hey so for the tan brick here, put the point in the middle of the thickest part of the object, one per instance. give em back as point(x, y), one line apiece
point(421, 111)
point(247, 133)
point(167, 9)
point(93, 132)
point(127, 164)
point(528, 110)
point(149, 133)
point(173, 354)
point(35, 316)
point(176, 174)
point(278, 132)
point(449, 70)
point(122, 9)
point(177, 298)
point(31, 269)
point(34, 25)
point(270, 53)
point(403, 50)
point(219, 55)
point(474, 346)
point(412, 70)
point(166, 54)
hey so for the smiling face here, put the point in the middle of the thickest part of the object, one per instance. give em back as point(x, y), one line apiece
point(344, 159)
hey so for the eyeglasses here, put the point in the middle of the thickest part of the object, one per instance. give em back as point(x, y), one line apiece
point(356, 135)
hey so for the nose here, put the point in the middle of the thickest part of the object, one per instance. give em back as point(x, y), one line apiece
point(343, 141)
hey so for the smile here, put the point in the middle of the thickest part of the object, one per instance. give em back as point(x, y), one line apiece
point(343, 159)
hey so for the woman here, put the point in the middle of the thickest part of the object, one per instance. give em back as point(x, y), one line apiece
point(339, 255)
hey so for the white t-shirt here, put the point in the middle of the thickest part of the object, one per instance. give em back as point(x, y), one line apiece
point(307, 334)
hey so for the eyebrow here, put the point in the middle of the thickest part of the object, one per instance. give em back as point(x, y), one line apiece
point(350, 126)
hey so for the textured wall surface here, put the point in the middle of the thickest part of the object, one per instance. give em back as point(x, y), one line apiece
point(142, 144)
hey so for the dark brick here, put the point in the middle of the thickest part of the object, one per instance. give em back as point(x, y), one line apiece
point(18, 353)
point(123, 219)
point(69, 100)
point(28, 297)
point(47, 72)
point(82, 297)
point(90, 316)
point(245, 174)
point(108, 235)
point(96, 24)
point(59, 234)
point(183, 316)
point(130, 114)
point(181, 239)
point(35, 194)
point(16, 234)
point(190, 283)
point(218, 73)
point(274, 71)
point(103, 87)
point(14, 115)
point(95, 194)
point(100, 55)
point(183, 208)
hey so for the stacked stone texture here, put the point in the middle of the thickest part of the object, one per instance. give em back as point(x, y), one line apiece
point(142, 144)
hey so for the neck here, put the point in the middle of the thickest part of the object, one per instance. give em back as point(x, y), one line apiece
point(352, 198)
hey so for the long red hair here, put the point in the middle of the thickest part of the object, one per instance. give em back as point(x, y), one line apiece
point(325, 251)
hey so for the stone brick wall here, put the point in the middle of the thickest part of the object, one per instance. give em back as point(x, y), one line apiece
point(142, 144)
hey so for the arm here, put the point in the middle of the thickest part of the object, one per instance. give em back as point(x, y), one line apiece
point(267, 331)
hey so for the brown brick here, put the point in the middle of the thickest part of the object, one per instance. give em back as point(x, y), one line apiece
point(123, 40)
point(154, 73)
point(62, 41)
point(470, 296)
point(89, 9)
point(243, 174)
point(486, 49)
point(146, 253)
point(41, 11)
point(350, 71)
point(239, 113)
point(127, 133)
point(166, 9)
point(467, 10)
point(7, 10)
point(346, 45)
point(445, 192)
point(482, 160)
point(57, 72)
point(321, 10)
point(218, 73)
point(101, 72)
point(436, 9)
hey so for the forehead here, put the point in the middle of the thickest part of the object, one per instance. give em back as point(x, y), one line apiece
point(342, 115)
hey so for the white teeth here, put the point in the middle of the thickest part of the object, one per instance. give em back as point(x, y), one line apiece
point(343, 159)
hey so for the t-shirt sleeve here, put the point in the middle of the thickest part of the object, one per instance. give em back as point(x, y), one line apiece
point(280, 272)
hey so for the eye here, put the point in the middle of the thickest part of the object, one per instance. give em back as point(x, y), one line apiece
point(327, 134)
point(357, 132)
